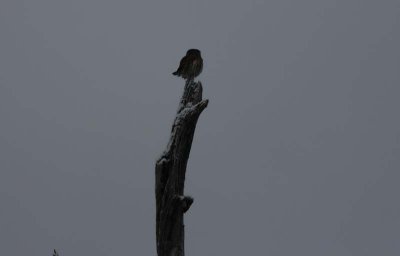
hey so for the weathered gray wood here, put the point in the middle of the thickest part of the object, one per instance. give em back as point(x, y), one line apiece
point(171, 203)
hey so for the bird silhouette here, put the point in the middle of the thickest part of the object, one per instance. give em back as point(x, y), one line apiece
point(191, 65)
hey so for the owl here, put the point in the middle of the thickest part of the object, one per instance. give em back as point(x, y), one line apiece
point(191, 65)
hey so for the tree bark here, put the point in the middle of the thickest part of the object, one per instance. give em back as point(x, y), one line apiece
point(170, 169)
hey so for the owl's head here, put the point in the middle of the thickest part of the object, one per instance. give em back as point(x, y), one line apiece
point(193, 52)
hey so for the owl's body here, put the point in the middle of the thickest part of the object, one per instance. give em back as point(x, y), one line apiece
point(191, 65)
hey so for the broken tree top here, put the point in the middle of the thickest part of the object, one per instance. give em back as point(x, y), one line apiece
point(171, 203)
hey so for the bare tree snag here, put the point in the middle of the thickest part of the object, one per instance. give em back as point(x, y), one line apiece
point(171, 203)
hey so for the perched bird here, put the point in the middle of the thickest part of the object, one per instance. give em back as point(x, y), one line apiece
point(191, 65)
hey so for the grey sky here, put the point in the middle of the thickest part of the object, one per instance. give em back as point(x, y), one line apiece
point(298, 152)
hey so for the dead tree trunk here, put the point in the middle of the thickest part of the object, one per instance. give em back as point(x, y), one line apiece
point(171, 204)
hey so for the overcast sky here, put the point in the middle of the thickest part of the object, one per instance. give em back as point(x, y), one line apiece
point(298, 152)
